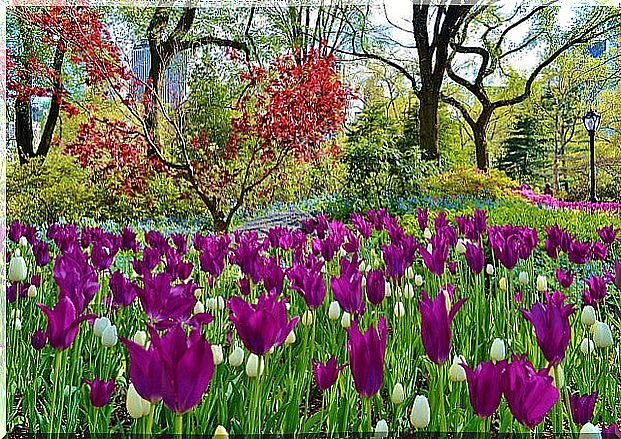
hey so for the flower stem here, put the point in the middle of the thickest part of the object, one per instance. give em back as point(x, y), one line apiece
point(150, 419)
point(369, 420)
point(179, 424)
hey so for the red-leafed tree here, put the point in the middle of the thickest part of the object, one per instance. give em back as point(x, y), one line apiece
point(43, 40)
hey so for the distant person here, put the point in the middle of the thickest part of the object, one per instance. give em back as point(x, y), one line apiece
point(548, 190)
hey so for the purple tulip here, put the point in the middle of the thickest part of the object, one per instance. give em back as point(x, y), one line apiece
point(608, 234)
point(347, 288)
point(530, 394)
point(376, 286)
point(76, 279)
point(394, 258)
point(361, 225)
point(617, 276)
point(123, 290)
point(102, 256)
point(366, 357)
point(309, 284)
point(597, 290)
point(15, 231)
point(579, 252)
point(272, 274)
point(599, 251)
point(582, 407)
point(612, 431)
point(263, 325)
point(422, 215)
point(565, 278)
point(164, 304)
point(213, 252)
point(436, 326)
point(484, 385)
point(63, 323)
point(475, 257)
point(436, 260)
point(180, 241)
point(38, 339)
point(128, 239)
point(41, 251)
point(326, 374)
point(551, 323)
point(100, 391)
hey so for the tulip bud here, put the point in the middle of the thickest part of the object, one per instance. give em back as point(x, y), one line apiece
point(137, 407)
point(334, 311)
point(602, 336)
point(587, 346)
point(523, 277)
point(587, 317)
point(362, 266)
point(429, 248)
point(363, 282)
point(497, 351)
point(220, 433)
point(489, 269)
point(287, 306)
point(542, 283)
point(290, 338)
point(18, 324)
point(23, 241)
point(561, 377)
point(408, 291)
point(503, 283)
point(381, 429)
point(418, 280)
point(236, 358)
point(387, 289)
point(398, 395)
point(346, 320)
point(218, 357)
point(421, 412)
point(199, 308)
point(590, 431)
point(399, 310)
point(16, 313)
point(409, 273)
point(109, 336)
point(460, 248)
point(32, 291)
point(253, 368)
point(307, 318)
point(140, 337)
point(220, 303)
point(101, 323)
point(427, 233)
point(17, 268)
point(457, 372)
point(210, 303)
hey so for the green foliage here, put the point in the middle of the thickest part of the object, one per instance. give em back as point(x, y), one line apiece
point(380, 158)
point(471, 182)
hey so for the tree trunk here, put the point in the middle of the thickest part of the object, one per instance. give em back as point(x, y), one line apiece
point(157, 74)
point(480, 144)
point(428, 126)
point(54, 113)
point(23, 131)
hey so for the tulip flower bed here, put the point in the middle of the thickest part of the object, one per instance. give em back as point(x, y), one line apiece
point(340, 328)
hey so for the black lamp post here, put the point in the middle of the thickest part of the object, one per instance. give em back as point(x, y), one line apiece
point(591, 123)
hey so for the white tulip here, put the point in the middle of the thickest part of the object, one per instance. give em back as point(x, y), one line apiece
point(32, 291)
point(220, 303)
point(363, 282)
point(17, 268)
point(588, 317)
point(399, 310)
point(408, 291)
point(542, 283)
point(290, 338)
point(421, 412)
point(199, 308)
point(429, 248)
point(489, 269)
point(23, 241)
point(334, 311)
point(220, 433)
point(307, 318)
point(218, 356)
point(561, 377)
point(418, 280)
point(140, 337)
point(18, 324)
point(427, 233)
point(16, 313)
point(523, 277)
point(109, 337)
point(236, 357)
point(346, 320)
point(253, 368)
point(587, 346)
point(497, 351)
point(602, 336)
point(135, 404)
point(398, 394)
point(460, 248)
point(101, 323)
point(381, 429)
point(590, 431)
point(457, 372)
point(503, 283)
point(409, 273)
point(387, 289)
